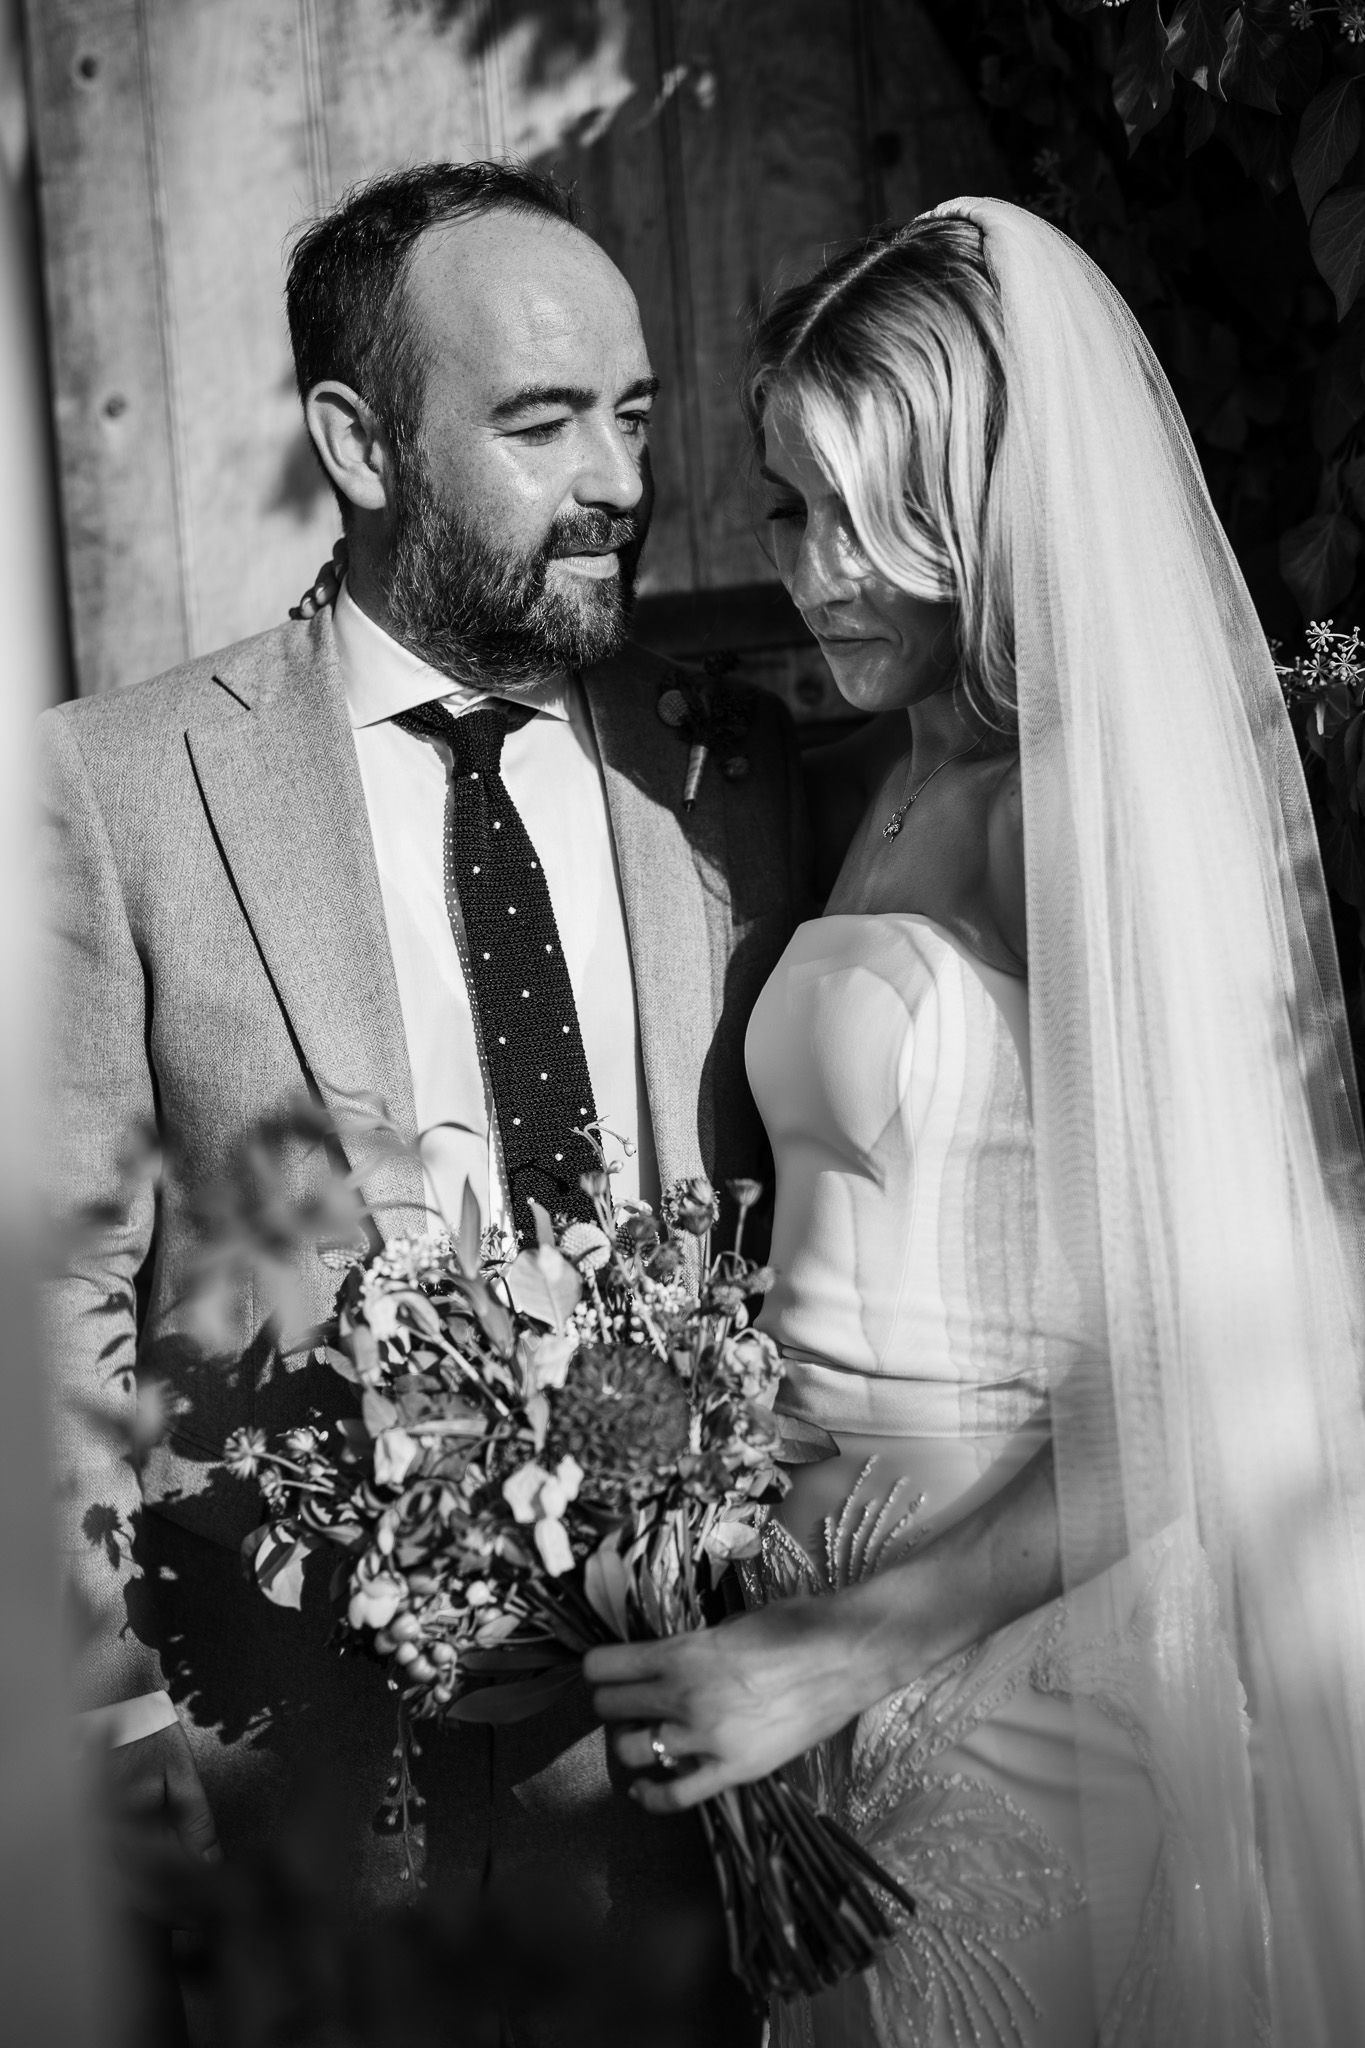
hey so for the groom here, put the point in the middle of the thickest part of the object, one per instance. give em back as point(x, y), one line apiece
point(258, 886)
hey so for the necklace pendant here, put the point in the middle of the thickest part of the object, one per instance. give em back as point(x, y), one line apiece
point(891, 829)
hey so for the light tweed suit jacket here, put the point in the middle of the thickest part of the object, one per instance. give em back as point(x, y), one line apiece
point(219, 943)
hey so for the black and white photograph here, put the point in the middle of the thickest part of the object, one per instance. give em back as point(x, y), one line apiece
point(682, 901)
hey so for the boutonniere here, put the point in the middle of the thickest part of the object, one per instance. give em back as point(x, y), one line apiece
point(711, 716)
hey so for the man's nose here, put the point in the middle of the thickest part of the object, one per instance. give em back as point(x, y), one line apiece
point(610, 473)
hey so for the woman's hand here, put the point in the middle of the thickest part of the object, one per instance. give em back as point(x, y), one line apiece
point(737, 1700)
point(323, 590)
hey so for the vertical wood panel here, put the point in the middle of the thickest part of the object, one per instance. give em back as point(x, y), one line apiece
point(927, 125)
point(110, 391)
point(623, 185)
point(772, 172)
point(228, 109)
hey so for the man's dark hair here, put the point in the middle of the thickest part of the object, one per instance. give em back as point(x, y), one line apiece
point(344, 292)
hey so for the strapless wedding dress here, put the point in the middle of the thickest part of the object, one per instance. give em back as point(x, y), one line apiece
point(1022, 1793)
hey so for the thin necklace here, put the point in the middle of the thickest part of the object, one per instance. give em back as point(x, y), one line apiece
point(891, 829)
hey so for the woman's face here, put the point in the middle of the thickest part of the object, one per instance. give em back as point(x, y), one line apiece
point(885, 649)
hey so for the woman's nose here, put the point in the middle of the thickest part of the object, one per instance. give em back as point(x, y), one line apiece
point(827, 566)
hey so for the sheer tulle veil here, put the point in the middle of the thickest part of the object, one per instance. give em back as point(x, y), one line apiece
point(1202, 1204)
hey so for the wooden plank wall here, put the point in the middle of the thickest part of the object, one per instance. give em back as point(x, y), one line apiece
point(718, 147)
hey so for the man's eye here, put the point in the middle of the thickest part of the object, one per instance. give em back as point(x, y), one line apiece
point(635, 424)
point(543, 430)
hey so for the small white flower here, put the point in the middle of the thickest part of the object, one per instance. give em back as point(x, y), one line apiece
point(545, 1360)
point(478, 1593)
point(729, 1540)
point(375, 1602)
point(381, 1317)
point(522, 1490)
point(561, 1488)
point(395, 1453)
point(556, 1552)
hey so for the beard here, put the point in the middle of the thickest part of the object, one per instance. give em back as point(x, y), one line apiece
point(479, 613)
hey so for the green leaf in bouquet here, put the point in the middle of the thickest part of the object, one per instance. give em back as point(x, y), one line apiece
point(367, 1364)
point(544, 1286)
point(279, 1567)
point(470, 1238)
point(525, 1657)
point(538, 1416)
point(415, 1308)
point(517, 1700)
point(489, 1313)
point(606, 1583)
point(340, 1363)
point(545, 1230)
point(802, 1443)
point(377, 1412)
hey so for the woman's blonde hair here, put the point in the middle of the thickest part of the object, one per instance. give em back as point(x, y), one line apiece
point(891, 359)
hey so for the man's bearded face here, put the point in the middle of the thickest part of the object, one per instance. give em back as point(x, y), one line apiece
point(478, 611)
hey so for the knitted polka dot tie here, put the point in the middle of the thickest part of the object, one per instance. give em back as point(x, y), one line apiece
point(518, 982)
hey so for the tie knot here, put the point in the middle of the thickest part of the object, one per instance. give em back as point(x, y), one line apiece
point(475, 741)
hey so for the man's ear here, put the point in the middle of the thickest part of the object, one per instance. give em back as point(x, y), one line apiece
point(350, 445)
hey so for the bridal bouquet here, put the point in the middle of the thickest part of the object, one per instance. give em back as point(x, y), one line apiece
point(560, 1447)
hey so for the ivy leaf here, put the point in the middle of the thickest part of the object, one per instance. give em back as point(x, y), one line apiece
point(1318, 561)
point(1339, 388)
point(1195, 42)
point(1336, 241)
point(514, 1699)
point(1143, 79)
point(1329, 136)
point(1252, 64)
point(279, 1567)
point(544, 1285)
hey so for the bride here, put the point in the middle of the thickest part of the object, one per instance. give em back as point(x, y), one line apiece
point(1071, 1630)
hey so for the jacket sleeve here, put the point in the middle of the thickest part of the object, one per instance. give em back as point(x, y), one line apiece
point(98, 1096)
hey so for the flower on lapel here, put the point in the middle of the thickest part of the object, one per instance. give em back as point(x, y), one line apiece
point(711, 716)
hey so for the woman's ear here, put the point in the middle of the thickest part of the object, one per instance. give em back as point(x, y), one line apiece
point(350, 445)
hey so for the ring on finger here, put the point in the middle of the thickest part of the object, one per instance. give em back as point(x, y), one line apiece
point(663, 1755)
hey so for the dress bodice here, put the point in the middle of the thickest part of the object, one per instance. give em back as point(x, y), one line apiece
point(891, 1069)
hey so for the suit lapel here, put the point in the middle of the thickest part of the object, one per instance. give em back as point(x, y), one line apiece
point(674, 890)
point(280, 779)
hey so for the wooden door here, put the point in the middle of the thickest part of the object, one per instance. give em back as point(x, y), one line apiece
point(718, 145)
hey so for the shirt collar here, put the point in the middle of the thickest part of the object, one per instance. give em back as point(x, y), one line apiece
point(381, 678)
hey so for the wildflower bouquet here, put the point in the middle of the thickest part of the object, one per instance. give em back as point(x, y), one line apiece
point(560, 1447)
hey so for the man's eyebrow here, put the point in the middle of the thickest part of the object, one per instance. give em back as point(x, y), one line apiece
point(572, 397)
point(577, 397)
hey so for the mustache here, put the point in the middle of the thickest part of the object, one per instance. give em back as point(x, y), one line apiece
point(591, 530)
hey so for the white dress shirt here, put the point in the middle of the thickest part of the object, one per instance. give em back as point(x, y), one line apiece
point(554, 777)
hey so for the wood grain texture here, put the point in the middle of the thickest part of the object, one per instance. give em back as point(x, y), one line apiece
point(719, 149)
point(103, 274)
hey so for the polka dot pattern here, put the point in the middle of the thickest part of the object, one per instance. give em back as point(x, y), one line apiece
point(523, 999)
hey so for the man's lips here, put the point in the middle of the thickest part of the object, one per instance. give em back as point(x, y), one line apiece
point(600, 562)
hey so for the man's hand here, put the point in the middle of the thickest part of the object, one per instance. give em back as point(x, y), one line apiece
point(154, 1780)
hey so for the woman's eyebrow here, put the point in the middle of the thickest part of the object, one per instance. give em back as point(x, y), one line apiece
point(770, 476)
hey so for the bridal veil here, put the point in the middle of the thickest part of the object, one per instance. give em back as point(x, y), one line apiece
point(1202, 1206)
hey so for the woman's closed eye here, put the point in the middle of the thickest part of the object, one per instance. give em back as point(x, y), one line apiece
point(786, 508)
